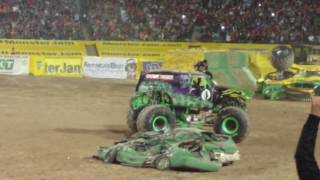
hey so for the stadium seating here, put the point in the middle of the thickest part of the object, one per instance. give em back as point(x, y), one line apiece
point(257, 21)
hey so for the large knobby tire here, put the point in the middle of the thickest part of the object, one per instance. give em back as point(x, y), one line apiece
point(155, 118)
point(132, 120)
point(234, 122)
point(234, 102)
point(282, 58)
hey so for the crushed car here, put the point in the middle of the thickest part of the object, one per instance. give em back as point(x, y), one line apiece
point(180, 148)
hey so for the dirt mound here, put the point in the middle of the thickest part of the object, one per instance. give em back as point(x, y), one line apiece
point(50, 128)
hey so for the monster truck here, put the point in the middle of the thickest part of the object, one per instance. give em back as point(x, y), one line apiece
point(181, 148)
point(291, 81)
point(166, 99)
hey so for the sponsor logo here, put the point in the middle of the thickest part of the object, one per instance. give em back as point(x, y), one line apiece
point(6, 64)
point(206, 94)
point(131, 67)
point(111, 65)
point(159, 77)
point(151, 66)
point(64, 68)
point(39, 65)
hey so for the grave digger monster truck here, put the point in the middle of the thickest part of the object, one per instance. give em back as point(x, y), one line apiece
point(166, 99)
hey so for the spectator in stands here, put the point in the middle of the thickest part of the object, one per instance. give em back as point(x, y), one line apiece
point(39, 19)
point(259, 21)
point(264, 21)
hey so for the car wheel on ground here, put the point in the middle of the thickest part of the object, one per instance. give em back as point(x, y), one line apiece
point(162, 162)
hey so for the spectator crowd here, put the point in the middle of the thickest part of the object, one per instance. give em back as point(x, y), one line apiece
point(257, 21)
point(39, 19)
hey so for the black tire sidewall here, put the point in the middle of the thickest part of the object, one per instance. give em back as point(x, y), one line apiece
point(229, 101)
point(282, 61)
point(147, 115)
point(241, 117)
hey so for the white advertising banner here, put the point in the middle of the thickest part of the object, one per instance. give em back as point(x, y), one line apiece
point(108, 67)
point(14, 65)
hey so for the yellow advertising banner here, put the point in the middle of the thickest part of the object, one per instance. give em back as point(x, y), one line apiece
point(48, 48)
point(183, 59)
point(154, 51)
point(64, 67)
point(235, 46)
point(260, 64)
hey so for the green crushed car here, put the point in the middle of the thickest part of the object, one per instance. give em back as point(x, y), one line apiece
point(181, 148)
point(167, 99)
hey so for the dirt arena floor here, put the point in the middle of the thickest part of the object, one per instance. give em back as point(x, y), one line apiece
point(50, 128)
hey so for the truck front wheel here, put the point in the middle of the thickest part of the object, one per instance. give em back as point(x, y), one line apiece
point(234, 122)
point(155, 118)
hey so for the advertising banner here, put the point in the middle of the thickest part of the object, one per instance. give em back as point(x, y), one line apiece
point(109, 67)
point(137, 49)
point(48, 48)
point(151, 66)
point(65, 67)
point(14, 65)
